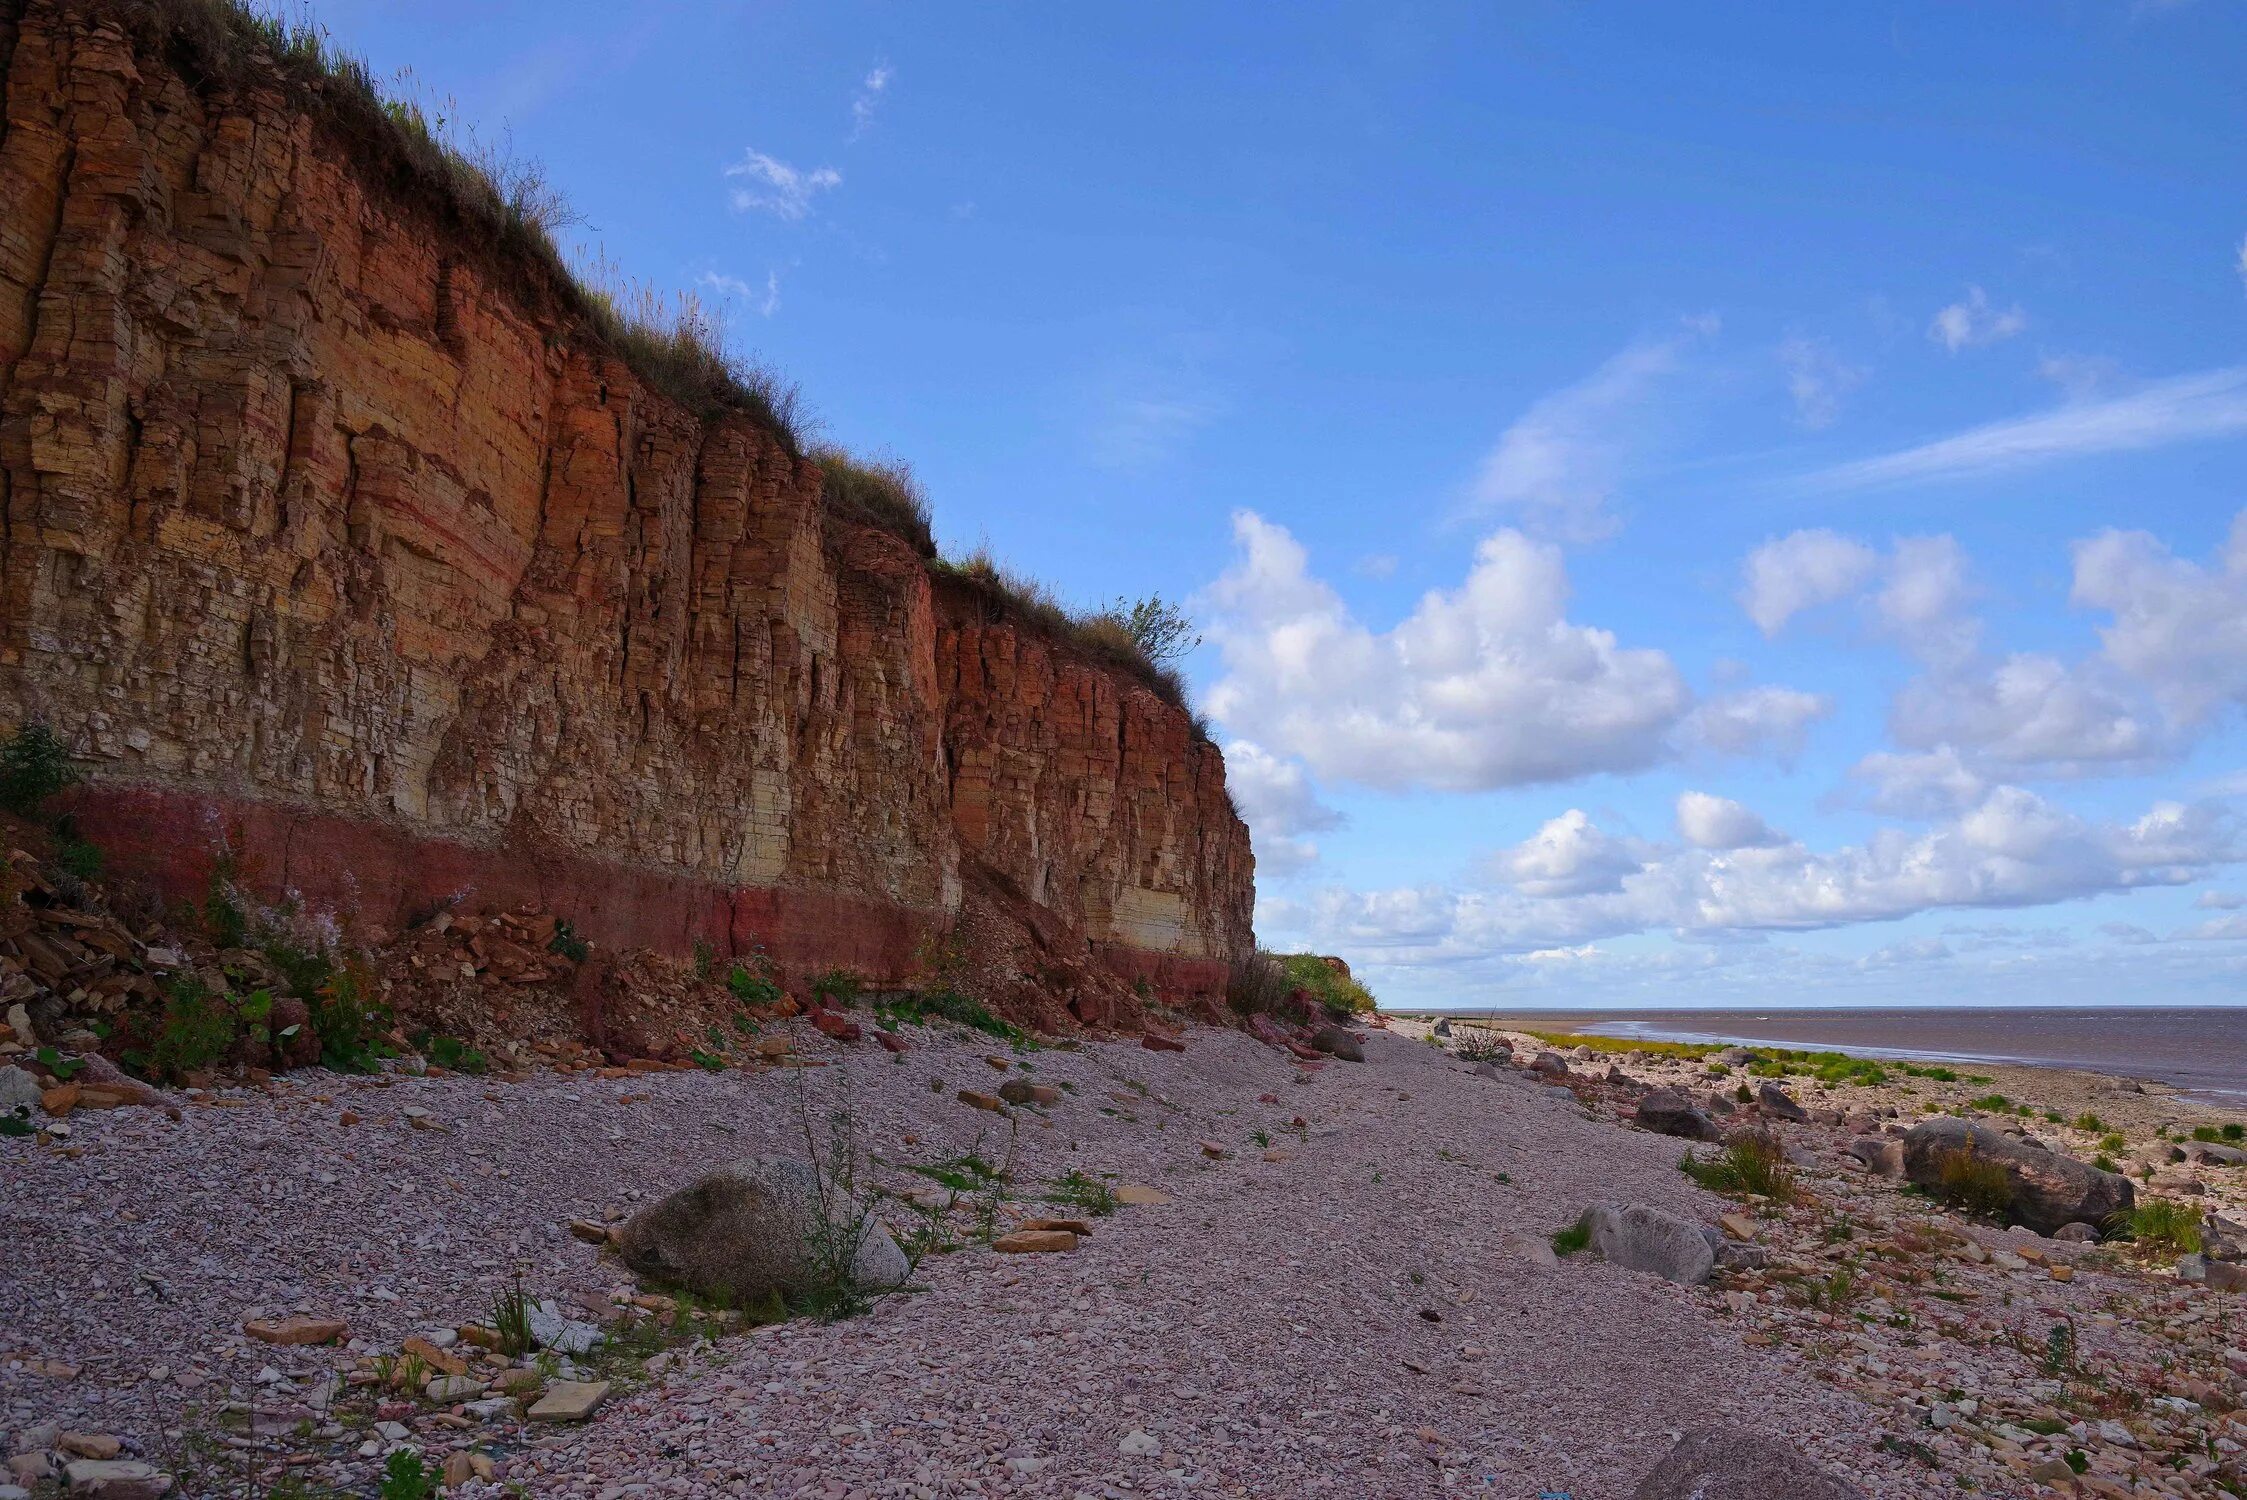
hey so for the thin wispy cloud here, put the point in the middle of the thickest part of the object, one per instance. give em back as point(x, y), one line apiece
point(765, 301)
point(2184, 408)
point(1972, 322)
point(769, 185)
point(869, 96)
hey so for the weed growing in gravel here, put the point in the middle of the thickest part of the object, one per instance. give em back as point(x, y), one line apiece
point(2090, 1122)
point(405, 1478)
point(511, 1319)
point(949, 1005)
point(749, 988)
point(1478, 1044)
point(1574, 1238)
point(1967, 1180)
point(1751, 1163)
point(1080, 1190)
point(2168, 1226)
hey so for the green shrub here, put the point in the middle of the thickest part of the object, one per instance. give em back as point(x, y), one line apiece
point(405, 1478)
point(949, 1005)
point(1751, 1162)
point(2167, 1225)
point(568, 944)
point(2090, 1122)
point(1337, 991)
point(78, 858)
point(1974, 1183)
point(751, 989)
point(194, 1031)
point(1996, 1103)
point(1008, 598)
point(34, 766)
point(1082, 1190)
point(349, 1020)
point(1478, 1044)
point(837, 987)
point(452, 1054)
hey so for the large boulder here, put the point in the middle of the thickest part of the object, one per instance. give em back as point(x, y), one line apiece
point(2047, 1189)
point(1724, 1463)
point(1336, 1041)
point(1668, 1112)
point(1640, 1238)
point(758, 1227)
point(1779, 1104)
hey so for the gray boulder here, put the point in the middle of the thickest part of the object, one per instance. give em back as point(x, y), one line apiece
point(2219, 1156)
point(2048, 1189)
point(1779, 1104)
point(1442, 1027)
point(758, 1227)
point(1668, 1112)
point(1724, 1463)
point(1881, 1156)
point(1551, 1064)
point(18, 1090)
point(1336, 1041)
point(1640, 1238)
point(2078, 1233)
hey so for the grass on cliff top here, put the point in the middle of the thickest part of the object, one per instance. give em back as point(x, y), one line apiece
point(493, 200)
point(1103, 635)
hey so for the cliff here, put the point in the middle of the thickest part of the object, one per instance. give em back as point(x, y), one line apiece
point(336, 538)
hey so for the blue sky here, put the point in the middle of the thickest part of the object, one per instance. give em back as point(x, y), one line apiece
point(1688, 505)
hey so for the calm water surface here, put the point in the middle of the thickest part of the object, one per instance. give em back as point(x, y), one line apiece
point(2202, 1049)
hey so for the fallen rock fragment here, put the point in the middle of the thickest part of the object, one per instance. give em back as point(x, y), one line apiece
point(116, 1479)
point(1035, 1242)
point(975, 1100)
point(1778, 1103)
point(569, 1400)
point(1155, 1041)
point(1138, 1195)
point(1336, 1041)
point(1668, 1112)
point(296, 1331)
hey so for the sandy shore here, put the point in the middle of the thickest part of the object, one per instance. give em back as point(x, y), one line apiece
point(1344, 1307)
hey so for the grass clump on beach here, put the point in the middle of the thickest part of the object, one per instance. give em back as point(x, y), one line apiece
point(1640, 1045)
point(2168, 1226)
point(1751, 1163)
point(1974, 1183)
point(1574, 1238)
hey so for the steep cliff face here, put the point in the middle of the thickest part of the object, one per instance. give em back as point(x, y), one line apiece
point(326, 541)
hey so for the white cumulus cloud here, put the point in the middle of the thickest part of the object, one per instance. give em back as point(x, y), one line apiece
point(1803, 570)
point(1711, 822)
point(1280, 806)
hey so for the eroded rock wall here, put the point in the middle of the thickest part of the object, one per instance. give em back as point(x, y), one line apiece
point(326, 538)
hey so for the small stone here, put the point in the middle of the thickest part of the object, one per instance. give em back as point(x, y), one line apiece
point(590, 1232)
point(1138, 1444)
point(1035, 1242)
point(1155, 1042)
point(437, 1359)
point(1138, 1195)
point(974, 1100)
point(1073, 1226)
point(2061, 1273)
point(1736, 1226)
point(450, 1388)
point(458, 1470)
point(90, 1444)
point(296, 1331)
point(1214, 1151)
point(569, 1400)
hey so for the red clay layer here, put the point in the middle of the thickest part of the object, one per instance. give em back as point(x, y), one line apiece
point(379, 880)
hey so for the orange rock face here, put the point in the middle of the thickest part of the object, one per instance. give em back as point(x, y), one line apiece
point(326, 545)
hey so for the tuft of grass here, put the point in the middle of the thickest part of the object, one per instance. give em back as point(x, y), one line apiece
point(751, 989)
point(1994, 1103)
point(511, 1319)
point(1477, 1044)
point(1572, 1239)
point(1969, 1181)
point(2167, 1225)
point(405, 1477)
point(1749, 1163)
point(1082, 1190)
point(2090, 1122)
point(881, 493)
point(1258, 985)
point(949, 1005)
point(1009, 598)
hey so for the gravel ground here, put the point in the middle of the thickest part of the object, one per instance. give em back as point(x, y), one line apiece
point(1266, 1332)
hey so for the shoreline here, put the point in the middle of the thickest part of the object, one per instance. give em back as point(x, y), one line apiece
point(1799, 1030)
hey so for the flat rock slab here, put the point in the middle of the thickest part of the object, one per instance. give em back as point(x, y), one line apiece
point(1138, 1195)
point(569, 1400)
point(116, 1479)
point(1035, 1242)
point(296, 1331)
point(1640, 1238)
